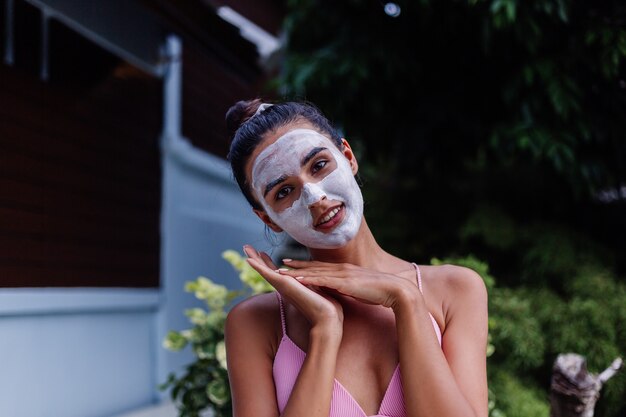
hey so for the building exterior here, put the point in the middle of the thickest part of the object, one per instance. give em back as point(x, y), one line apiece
point(114, 189)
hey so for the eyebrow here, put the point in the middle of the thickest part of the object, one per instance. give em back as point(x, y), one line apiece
point(304, 161)
point(273, 184)
point(311, 154)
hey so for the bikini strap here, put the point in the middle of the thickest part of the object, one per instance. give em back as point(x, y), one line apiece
point(419, 277)
point(282, 313)
point(419, 285)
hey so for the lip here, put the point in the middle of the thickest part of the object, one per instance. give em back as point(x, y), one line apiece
point(332, 222)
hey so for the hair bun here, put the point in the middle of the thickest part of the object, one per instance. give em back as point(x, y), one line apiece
point(240, 112)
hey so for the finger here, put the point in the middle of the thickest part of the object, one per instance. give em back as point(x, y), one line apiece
point(345, 286)
point(315, 267)
point(294, 263)
point(291, 288)
point(319, 281)
point(268, 261)
point(306, 272)
point(262, 257)
point(284, 284)
point(327, 293)
point(337, 287)
point(274, 278)
point(251, 252)
point(289, 272)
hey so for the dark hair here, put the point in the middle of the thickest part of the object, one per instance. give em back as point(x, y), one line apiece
point(248, 131)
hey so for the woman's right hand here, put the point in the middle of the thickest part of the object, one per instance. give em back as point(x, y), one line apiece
point(321, 310)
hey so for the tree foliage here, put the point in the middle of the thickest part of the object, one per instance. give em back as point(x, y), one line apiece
point(494, 128)
point(452, 104)
point(530, 327)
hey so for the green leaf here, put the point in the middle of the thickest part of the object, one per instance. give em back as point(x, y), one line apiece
point(174, 341)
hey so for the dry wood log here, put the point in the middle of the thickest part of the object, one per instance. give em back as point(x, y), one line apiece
point(574, 391)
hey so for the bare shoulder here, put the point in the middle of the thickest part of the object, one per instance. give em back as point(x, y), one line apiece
point(455, 285)
point(255, 304)
point(255, 319)
point(458, 278)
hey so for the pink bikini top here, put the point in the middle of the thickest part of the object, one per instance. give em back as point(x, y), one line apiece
point(289, 359)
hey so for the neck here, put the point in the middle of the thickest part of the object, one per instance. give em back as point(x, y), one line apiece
point(363, 250)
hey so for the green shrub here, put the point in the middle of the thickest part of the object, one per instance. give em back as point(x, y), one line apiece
point(517, 398)
point(204, 384)
point(529, 326)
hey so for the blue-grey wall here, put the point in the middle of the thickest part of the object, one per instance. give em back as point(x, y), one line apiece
point(76, 352)
point(80, 352)
point(97, 352)
point(204, 213)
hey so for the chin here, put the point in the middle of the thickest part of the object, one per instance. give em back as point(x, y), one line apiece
point(331, 244)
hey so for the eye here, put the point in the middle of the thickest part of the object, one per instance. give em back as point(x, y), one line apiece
point(283, 192)
point(319, 165)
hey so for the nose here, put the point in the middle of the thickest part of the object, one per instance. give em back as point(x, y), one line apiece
point(312, 193)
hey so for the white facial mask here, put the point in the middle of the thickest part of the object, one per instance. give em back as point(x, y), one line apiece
point(282, 158)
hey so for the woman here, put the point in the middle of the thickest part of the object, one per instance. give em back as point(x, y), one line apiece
point(354, 330)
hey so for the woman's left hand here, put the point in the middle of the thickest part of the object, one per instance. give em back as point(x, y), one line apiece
point(362, 284)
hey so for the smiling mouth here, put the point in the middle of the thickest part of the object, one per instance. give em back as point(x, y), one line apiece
point(330, 216)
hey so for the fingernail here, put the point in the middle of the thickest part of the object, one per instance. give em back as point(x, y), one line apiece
point(299, 278)
point(244, 249)
point(287, 260)
point(282, 269)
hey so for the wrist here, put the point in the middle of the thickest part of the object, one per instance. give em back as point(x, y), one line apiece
point(326, 334)
point(407, 297)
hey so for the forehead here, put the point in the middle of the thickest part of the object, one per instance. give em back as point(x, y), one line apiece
point(286, 148)
point(292, 146)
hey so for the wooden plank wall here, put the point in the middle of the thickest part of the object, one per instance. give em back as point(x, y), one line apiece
point(219, 66)
point(209, 89)
point(80, 181)
point(80, 175)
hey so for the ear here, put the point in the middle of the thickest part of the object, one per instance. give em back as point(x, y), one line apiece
point(347, 152)
point(266, 219)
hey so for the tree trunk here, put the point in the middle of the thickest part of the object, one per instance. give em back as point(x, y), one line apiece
point(573, 390)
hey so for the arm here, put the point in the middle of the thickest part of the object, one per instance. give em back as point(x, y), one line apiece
point(452, 381)
point(313, 389)
point(249, 355)
point(248, 338)
point(449, 382)
point(250, 360)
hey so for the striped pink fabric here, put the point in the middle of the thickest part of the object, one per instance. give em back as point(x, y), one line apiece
point(288, 362)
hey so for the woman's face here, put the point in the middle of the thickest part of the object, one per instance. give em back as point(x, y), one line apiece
point(306, 186)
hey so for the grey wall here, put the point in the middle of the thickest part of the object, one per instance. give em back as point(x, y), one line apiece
point(83, 352)
point(204, 214)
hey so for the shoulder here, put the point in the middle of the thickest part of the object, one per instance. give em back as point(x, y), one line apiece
point(257, 310)
point(255, 320)
point(255, 304)
point(457, 287)
point(458, 278)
